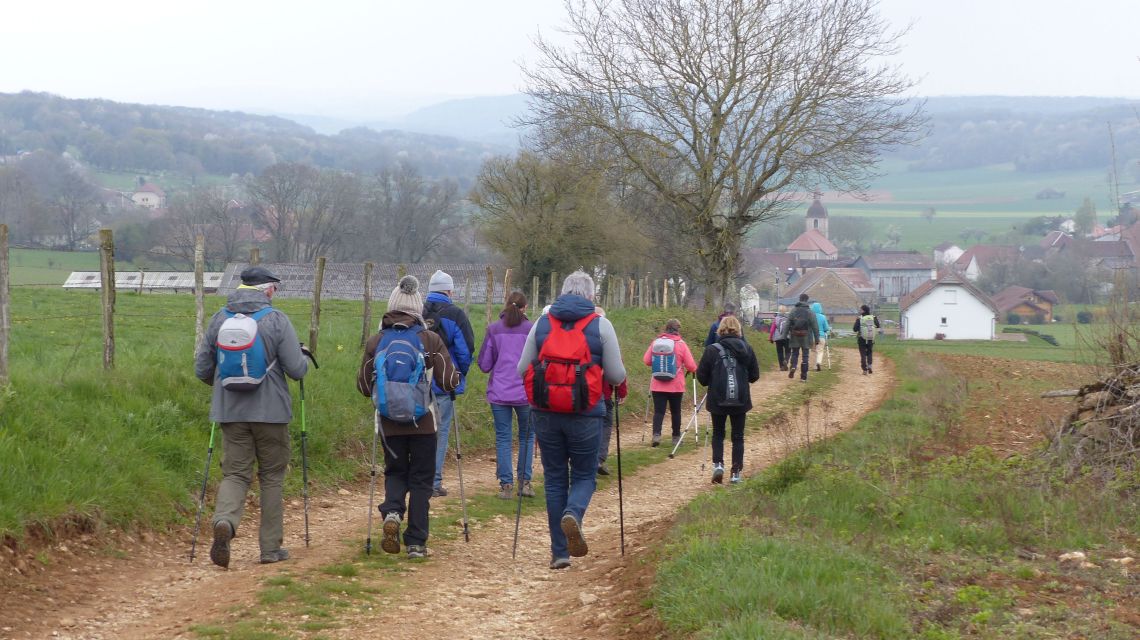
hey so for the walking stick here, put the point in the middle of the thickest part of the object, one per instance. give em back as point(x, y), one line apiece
point(459, 467)
point(372, 482)
point(692, 422)
point(621, 507)
point(645, 418)
point(524, 445)
point(305, 461)
point(202, 497)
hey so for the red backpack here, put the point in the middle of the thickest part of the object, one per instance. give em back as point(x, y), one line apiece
point(564, 377)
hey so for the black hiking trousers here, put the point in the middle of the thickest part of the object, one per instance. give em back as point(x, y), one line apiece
point(673, 399)
point(796, 356)
point(782, 353)
point(409, 475)
point(865, 348)
point(718, 420)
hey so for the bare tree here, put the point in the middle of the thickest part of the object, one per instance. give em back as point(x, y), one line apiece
point(749, 98)
point(331, 203)
point(219, 218)
point(279, 194)
point(407, 218)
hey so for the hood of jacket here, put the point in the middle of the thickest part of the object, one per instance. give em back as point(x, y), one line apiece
point(393, 318)
point(675, 337)
point(817, 307)
point(247, 301)
point(734, 344)
point(570, 307)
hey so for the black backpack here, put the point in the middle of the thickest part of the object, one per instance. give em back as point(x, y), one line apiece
point(800, 321)
point(726, 385)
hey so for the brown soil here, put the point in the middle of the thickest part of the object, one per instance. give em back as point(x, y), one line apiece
point(147, 589)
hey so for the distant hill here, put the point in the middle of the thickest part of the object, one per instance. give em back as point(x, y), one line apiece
point(147, 139)
point(488, 119)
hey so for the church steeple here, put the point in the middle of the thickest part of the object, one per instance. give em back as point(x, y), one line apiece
point(816, 215)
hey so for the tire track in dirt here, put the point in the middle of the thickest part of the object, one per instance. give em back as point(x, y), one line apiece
point(470, 590)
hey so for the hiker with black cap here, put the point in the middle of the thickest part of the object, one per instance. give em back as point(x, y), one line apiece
point(451, 324)
point(254, 408)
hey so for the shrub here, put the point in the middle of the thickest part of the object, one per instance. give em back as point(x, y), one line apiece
point(1038, 318)
point(940, 336)
point(1012, 318)
point(1085, 317)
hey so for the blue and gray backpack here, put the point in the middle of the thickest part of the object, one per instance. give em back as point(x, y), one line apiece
point(402, 392)
point(241, 357)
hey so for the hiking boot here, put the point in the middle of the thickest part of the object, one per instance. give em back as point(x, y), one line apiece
point(391, 540)
point(783, 367)
point(527, 489)
point(506, 491)
point(560, 563)
point(438, 492)
point(735, 479)
point(603, 470)
point(864, 372)
point(269, 557)
point(869, 371)
point(656, 440)
point(220, 550)
point(803, 379)
point(417, 551)
point(676, 439)
point(792, 372)
point(718, 474)
point(818, 368)
point(574, 539)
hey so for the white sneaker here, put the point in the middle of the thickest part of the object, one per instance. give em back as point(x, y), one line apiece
point(718, 474)
point(735, 477)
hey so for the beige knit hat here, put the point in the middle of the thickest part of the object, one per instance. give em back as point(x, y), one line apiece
point(406, 297)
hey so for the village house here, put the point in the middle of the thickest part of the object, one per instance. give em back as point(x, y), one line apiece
point(949, 308)
point(975, 260)
point(895, 273)
point(841, 291)
point(149, 196)
point(1025, 302)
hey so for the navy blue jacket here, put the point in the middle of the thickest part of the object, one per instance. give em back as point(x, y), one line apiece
point(457, 335)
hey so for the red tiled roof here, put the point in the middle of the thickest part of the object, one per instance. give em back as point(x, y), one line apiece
point(950, 276)
point(985, 254)
point(782, 260)
point(813, 240)
point(854, 278)
point(1107, 249)
point(1055, 239)
point(150, 187)
point(1013, 295)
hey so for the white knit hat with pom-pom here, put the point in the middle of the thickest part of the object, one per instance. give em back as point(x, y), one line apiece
point(406, 297)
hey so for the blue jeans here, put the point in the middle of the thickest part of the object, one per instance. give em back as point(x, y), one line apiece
point(445, 415)
point(569, 447)
point(606, 433)
point(503, 438)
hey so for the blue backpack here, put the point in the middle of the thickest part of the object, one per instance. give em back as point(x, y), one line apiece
point(402, 392)
point(664, 358)
point(241, 358)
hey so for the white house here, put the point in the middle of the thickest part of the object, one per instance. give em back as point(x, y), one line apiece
point(950, 306)
point(149, 196)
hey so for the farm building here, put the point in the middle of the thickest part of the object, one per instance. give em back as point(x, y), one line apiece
point(895, 273)
point(1025, 302)
point(840, 291)
point(980, 257)
point(345, 281)
point(950, 307)
point(150, 281)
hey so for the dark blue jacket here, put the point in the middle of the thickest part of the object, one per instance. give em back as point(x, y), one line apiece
point(457, 335)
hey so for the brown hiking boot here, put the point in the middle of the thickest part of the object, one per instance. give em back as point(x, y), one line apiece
point(575, 541)
point(220, 550)
point(527, 489)
point(506, 491)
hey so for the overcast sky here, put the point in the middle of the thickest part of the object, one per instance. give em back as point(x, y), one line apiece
point(377, 58)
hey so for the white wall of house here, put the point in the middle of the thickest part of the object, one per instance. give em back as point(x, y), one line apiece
point(951, 310)
point(147, 199)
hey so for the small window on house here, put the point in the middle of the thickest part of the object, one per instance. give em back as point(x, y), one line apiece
point(134, 277)
point(950, 296)
point(172, 278)
point(815, 223)
point(944, 321)
point(88, 278)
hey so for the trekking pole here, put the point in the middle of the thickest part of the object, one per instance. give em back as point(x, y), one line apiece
point(202, 497)
point(645, 418)
point(459, 466)
point(692, 422)
point(524, 445)
point(697, 423)
point(372, 482)
point(827, 350)
point(304, 462)
point(621, 506)
point(304, 446)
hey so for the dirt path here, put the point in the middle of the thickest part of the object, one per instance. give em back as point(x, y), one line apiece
point(470, 590)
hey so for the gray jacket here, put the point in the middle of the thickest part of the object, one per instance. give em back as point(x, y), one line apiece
point(812, 338)
point(271, 401)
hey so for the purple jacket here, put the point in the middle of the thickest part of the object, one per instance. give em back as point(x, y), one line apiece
point(499, 356)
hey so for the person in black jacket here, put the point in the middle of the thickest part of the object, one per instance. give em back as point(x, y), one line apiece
point(712, 374)
point(866, 346)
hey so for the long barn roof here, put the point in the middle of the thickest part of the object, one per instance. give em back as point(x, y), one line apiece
point(345, 280)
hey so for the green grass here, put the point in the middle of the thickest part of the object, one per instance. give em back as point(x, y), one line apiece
point(40, 267)
point(1075, 344)
point(870, 536)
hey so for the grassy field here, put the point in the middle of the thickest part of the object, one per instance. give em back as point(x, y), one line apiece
point(1076, 344)
point(879, 534)
point(87, 449)
point(169, 181)
point(40, 267)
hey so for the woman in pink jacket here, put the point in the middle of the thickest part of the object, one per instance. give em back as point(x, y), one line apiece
point(668, 385)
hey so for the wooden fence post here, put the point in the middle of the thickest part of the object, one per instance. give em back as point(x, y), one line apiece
point(5, 319)
point(366, 329)
point(506, 285)
point(490, 294)
point(315, 317)
point(199, 290)
point(553, 287)
point(467, 294)
point(254, 256)
point(534, 291)
point(665, 293)
point(107, 284)
point(142, 276)
point(401, 271)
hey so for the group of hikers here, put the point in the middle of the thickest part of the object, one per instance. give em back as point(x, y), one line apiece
point(559, 377)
